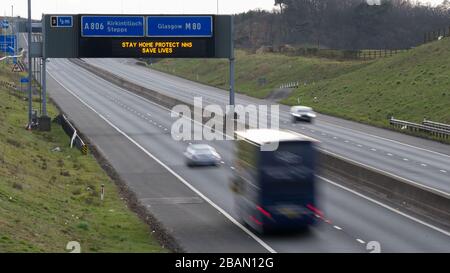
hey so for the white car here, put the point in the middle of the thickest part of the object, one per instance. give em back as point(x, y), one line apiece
point(302, 113)
point(201, 155)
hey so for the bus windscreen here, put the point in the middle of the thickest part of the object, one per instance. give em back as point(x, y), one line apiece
point(291, 162)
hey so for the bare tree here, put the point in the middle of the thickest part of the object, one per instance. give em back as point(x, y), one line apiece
point(345, 24)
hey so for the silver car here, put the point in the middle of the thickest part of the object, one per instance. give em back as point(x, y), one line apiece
point(302, 113)
point(201, 155)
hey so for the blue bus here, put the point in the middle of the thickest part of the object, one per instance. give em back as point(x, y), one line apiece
point(274, 180)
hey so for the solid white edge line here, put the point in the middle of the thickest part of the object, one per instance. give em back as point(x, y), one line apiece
point(385, 206)
point(359, 145)
point(228, 216)
point(139, 97)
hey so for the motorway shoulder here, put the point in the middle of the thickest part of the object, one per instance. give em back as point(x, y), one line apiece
point(419, 160)
point(195, 224)
point(357, 221)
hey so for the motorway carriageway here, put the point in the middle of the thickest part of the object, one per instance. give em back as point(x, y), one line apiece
point(196, 205)
point(422, 161)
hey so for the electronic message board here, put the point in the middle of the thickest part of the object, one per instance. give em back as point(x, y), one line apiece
point(146, 48)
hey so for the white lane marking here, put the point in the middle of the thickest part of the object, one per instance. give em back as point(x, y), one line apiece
point(373, 150)
point(387, 139)
point(360, 241)
point(338, 228)
point(443, 171)
point(148, 114)
point(405, 159)
point(401, 144)
point(385, 206)
point(423, 165)
point(346, 141)
point(359, 145)
point(204, 197)
point(142, 98)
point(389, 154)
point(446, 194)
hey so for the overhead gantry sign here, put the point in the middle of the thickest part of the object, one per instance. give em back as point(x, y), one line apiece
point(137, 36)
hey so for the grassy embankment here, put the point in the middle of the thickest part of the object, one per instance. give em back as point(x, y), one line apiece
point(276, 69)
point(50, 198)
point(410, 85)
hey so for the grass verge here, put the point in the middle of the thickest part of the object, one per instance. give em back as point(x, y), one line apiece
point(50, 198)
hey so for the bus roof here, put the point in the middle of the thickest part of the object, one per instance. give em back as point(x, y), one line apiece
point(262, 136)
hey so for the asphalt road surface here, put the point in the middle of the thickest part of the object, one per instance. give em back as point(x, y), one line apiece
point(418, 160)
point(196, 206)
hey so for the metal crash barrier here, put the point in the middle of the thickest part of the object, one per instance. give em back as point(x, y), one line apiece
point(71, 131)
point(436, 129)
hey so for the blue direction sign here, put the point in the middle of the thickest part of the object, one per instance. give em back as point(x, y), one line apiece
point(5, 24)
point(112, 26)
point(7, 42)
point(61, 21)
point(179, 26)
point(23, 80)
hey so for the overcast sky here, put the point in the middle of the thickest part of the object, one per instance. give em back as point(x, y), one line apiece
point(137, 6)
